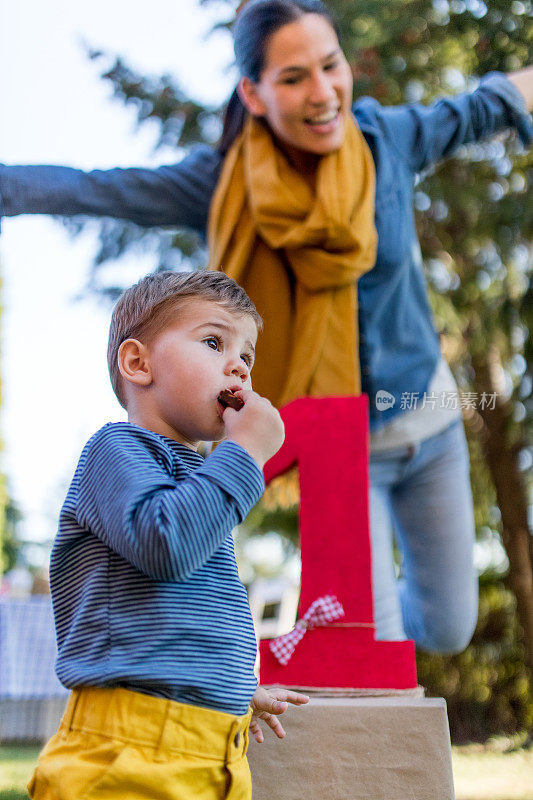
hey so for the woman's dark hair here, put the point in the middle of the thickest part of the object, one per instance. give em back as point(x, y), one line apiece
point(253, 27)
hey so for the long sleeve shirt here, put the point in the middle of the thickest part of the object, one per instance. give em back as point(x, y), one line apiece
point(144, 582)
point(398, 343)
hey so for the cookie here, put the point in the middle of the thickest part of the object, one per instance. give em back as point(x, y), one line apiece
point(228, 399)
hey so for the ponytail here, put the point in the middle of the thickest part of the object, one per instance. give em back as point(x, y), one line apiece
point(234, 119)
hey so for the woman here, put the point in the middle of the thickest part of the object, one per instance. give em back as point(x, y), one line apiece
point(304, 195)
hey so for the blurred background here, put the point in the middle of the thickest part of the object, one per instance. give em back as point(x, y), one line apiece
point(111, 85)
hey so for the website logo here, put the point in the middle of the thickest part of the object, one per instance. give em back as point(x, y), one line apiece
point(384, 400)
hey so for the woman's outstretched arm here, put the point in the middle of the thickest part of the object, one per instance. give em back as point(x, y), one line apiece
point(177, 195)
point(424, 135)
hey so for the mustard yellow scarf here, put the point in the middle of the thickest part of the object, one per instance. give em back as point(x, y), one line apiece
point(298, 253)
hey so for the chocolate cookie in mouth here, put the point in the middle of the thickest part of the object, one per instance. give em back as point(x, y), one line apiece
point(230, 400)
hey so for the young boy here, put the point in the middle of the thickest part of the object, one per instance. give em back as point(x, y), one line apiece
point(155, 637)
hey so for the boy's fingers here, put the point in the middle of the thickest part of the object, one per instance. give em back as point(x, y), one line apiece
point(277, 727)
point(274, 723)
point(286, 696)
point(296, 698)
point(256, 731)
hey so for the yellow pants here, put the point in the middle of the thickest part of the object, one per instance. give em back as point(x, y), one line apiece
point(114, 743)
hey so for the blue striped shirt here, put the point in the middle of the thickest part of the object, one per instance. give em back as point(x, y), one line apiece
point(143, 576)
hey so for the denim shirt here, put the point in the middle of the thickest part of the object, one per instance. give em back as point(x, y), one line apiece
point(399, 346)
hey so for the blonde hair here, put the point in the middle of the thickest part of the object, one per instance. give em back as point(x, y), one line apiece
point(148, 307)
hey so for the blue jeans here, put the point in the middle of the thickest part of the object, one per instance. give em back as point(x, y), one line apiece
point(420, 498)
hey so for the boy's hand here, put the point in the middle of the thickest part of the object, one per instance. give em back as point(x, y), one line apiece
point(267, 704)
point(257, 427)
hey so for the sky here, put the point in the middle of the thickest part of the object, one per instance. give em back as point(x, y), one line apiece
point(57, 110)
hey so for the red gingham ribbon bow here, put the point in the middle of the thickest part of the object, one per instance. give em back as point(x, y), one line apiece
point(323, 610)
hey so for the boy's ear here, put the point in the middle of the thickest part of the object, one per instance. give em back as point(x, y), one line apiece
point(134, 362)
point(247, 91)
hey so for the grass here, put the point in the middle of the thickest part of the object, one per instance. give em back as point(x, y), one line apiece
point(16, 765)
point(480, 772)
point(492, 773)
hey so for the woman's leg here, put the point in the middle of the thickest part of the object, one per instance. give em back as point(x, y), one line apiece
point(432, 506)
point(387, 608)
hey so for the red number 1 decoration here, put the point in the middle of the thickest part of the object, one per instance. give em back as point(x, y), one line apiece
point(328, 439)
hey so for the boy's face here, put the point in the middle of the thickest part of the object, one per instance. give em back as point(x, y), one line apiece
point(209, 348)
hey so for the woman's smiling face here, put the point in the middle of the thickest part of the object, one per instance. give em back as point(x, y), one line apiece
point(305, 89)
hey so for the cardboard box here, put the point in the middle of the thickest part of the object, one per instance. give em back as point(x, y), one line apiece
point(372, 748)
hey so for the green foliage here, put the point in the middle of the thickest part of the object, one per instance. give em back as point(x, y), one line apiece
point(486, 687)
point(283, 521)
point(13, 794)
point(9, 516)
point(401, 41)
point(10, 545)
point(182, 120)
